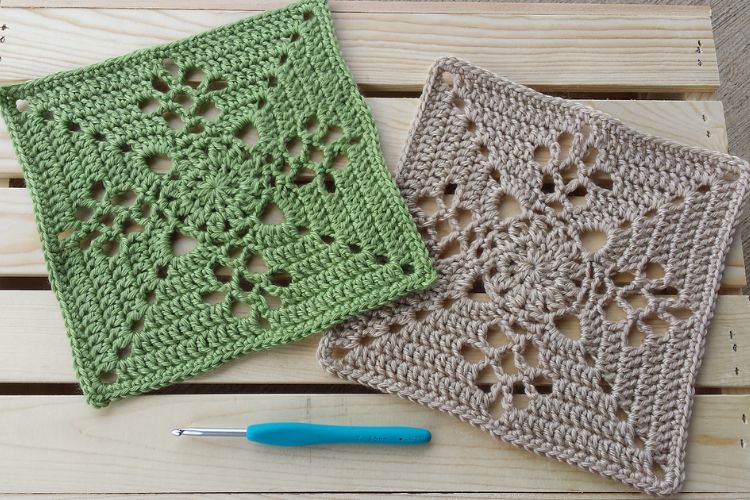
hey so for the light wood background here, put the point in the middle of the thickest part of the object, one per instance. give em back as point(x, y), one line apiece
point(638, 63)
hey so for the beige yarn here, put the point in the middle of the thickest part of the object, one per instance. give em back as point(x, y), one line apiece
point(588, 356)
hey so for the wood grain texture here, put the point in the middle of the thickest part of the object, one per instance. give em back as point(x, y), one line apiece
point(44, 355)
point(696, 123)
point(380, 6)
point(393, 50)
point(57, 444)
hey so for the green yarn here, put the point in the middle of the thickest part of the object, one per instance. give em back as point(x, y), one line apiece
point(210, 197)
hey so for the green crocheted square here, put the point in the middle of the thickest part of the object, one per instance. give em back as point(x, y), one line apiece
point(213, 196)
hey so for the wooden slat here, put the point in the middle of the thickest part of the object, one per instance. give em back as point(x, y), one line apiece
point(54, 444)
point(390, 50)
point(697, 123)
point(20, 248)
point(21, 254)
point(43, 355)
point(385, 6)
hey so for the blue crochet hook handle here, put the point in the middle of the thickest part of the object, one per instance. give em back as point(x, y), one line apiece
point(302, 434)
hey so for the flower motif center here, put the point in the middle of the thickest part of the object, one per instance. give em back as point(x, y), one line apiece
point(539, 268)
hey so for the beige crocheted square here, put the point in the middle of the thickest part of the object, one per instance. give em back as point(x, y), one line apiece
point(578, 264)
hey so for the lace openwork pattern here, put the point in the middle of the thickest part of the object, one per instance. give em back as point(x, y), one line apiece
point(578, 263)
point(210, 197)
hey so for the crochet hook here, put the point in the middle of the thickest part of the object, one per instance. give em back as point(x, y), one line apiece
point(302, 434)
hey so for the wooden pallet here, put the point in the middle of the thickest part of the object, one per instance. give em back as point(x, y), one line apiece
point(657, 63)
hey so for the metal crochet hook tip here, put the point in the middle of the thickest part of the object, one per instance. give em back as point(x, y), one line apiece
point(205, 431)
